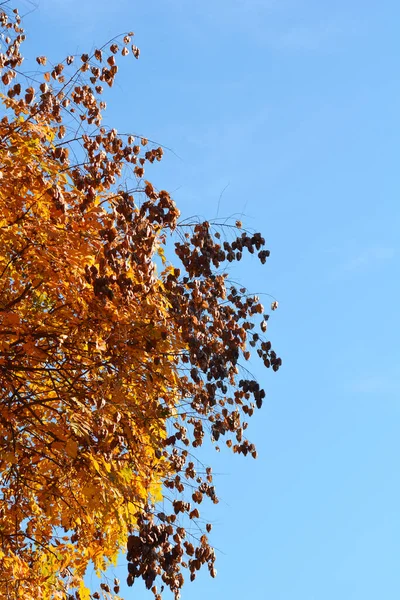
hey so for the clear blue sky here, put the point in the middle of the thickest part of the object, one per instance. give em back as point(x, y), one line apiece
point(294, 104)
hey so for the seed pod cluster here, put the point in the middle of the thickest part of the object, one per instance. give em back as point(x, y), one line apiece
point(160, 549)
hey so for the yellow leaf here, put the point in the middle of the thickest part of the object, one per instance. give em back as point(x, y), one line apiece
point(71, 448)
point(84, 593)
point(95, 464)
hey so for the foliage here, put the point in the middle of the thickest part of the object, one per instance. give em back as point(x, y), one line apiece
point(110, 371)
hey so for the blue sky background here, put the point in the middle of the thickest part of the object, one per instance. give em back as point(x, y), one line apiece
point(294, 105)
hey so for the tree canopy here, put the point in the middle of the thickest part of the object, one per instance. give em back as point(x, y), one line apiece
point(116, 360)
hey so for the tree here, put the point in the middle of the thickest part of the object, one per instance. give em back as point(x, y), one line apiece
point(110, 370)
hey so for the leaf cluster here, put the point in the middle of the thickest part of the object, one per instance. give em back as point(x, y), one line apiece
point(111, 371)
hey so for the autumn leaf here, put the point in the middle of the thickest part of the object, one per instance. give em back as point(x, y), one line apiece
point(71, 448)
